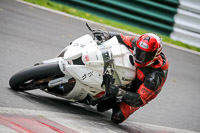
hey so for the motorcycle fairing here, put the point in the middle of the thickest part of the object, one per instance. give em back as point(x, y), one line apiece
point(89, 74)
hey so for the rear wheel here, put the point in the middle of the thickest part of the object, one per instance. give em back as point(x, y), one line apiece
point(36, 77)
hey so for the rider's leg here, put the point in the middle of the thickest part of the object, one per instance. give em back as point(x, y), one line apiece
point(121, 112)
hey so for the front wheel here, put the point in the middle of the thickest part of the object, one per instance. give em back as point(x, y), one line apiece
point(36, 77)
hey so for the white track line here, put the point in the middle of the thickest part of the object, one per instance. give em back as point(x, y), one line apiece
point(120, 30)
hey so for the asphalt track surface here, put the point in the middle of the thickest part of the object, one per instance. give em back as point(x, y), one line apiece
point(29, 35)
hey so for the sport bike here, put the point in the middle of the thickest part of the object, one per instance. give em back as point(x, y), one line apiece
point(81, 72)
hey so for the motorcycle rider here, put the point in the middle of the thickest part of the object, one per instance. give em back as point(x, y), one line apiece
point(151, 73)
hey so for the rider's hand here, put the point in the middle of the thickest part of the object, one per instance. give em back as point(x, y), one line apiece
point(113, 90)
point(101, 35)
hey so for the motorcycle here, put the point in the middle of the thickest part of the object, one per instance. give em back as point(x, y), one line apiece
point(81, 72)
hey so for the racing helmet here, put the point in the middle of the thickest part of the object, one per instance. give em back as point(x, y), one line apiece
point(147, 50)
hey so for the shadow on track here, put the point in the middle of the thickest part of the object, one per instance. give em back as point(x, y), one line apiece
point(87, 113)
point(60, 104)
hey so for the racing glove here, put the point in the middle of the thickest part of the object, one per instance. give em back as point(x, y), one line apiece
point(101, 35)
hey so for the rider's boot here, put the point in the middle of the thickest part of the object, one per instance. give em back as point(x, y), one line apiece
point(106, 105)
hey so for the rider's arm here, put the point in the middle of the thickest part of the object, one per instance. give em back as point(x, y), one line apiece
point(146, 90)
point(128, 41)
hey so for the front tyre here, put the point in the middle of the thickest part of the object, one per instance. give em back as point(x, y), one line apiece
point(35, 77)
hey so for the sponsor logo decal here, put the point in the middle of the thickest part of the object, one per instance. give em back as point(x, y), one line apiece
point(144, 45)
point(125, 79)
point(86, 58)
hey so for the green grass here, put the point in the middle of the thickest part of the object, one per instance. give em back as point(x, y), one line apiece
point(75, 12)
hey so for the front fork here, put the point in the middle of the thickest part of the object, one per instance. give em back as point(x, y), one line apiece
point(62, 66)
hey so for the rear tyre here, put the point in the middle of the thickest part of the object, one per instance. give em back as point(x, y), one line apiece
point(35, 77)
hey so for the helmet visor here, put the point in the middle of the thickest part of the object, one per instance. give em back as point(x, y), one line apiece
point(142, 56)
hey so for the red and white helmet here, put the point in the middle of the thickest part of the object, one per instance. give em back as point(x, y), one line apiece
point(147, 49)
